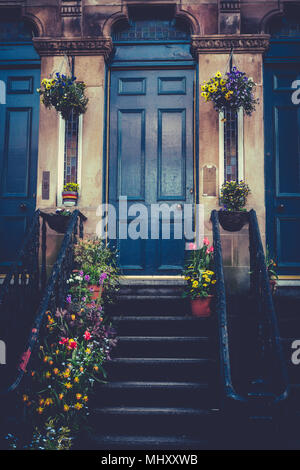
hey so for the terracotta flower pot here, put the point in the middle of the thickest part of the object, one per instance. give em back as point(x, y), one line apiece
point(233, 221)
point(70, 198)
point(201, 307)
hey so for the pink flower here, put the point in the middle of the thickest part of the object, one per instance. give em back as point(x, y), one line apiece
point(192, 246)
point(102, 278)
point(206, 241)
point(69, 299)
point(211, 249)
point(72, 344)
point(87, 335)
point(87, 277)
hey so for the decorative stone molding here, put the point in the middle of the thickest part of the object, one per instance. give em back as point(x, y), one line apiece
point(229, 6)
point(70, 8)
point(74, 46)
point(222, 44)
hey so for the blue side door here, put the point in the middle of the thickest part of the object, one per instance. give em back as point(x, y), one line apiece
point(282, 165)
point(151, 161)
point(19, 120)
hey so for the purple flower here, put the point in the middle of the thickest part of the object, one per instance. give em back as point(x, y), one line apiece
point(81, 273)
point(69, 299)
point(87, 277)
point(83, 299)
point(102, 277)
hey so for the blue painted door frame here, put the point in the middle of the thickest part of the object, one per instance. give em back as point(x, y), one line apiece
point(282, 155)
point(152, 157)
point(19, 121)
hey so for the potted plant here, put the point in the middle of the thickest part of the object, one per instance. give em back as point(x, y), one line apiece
point(70, 194)
point(64, 94)
point(234, 195)
point(59, 220)
point(200, 280)
point(272, 273)
point(234, 90)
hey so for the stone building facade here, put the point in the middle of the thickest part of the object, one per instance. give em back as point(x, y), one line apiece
point(100, 37)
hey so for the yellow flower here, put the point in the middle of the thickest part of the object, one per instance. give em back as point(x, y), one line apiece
point(25, 398)
point(41, 401)
point(68, 385)
point(76, 380)
point(85, 398)
point(88, 351)
point(73, 317)
point(60, 396)
point(78, 406)
point(66, 373)
point(218, 74)
point(204, 285)
point(40, 410)
point(66, 407)
point(214, 281)
point(48, 401)
point(78, 396)
point(195, 284)
point(81, 369)
point(46, 359)
point(48, 375)
point(96, 368)
point(56, 371)
point(222, 81)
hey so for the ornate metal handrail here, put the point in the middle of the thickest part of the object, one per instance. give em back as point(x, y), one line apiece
point(271, 349)
point(25, 269)
point(55, 291)
point(260, 284)
point(221, 307)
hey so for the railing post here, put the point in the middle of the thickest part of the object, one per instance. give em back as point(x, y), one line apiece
point(44, 253)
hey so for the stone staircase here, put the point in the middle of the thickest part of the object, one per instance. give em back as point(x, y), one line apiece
point(163, 380)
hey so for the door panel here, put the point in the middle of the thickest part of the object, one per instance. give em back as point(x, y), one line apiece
point(282, 166)
point(151, 161)
point(18, 158)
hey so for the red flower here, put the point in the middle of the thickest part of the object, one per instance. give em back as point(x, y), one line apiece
point(72, 344)
point(87, 335)
point(63, 340)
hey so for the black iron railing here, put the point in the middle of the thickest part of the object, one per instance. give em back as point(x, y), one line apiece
point(48, 295)
point(221, 308)
point(273, 371)
point(270, 368)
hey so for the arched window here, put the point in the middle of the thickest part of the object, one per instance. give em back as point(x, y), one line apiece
point(15, 31)
point(151, 25)
point(287, 26)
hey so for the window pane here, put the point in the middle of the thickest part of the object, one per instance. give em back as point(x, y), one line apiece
point(230, 145)
point(71, 150)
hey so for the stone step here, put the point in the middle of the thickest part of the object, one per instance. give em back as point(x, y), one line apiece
point(158, 369)
point(174, 394)
point(164, 346)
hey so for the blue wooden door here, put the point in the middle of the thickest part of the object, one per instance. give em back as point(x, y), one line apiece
point(18, 157)
point(151, 161)
point(282, 165)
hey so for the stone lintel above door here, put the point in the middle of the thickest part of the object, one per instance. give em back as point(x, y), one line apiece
point(74, 46)
point(222, 44)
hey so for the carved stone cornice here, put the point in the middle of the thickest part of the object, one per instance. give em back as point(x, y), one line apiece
point(222, 44)
point(74, 46)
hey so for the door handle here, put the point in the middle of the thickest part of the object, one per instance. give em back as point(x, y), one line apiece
point(280, 208)
point(23, 206)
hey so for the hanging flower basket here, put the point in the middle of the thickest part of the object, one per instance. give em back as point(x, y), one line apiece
point(59, 222)
point(64, 94)
point(233, 221)
point(234, 90)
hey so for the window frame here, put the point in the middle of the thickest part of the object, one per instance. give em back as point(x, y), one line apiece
point(61, 158)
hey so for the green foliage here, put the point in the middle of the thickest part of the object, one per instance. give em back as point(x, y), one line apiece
point(271, 265)
point(234, 195)
point(198, 272)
